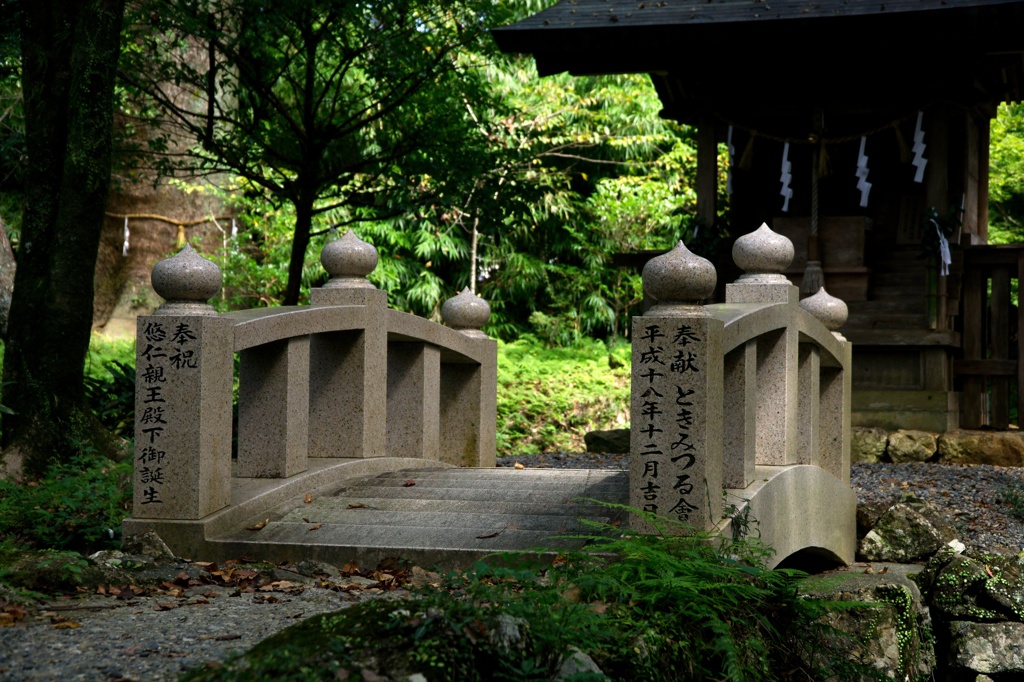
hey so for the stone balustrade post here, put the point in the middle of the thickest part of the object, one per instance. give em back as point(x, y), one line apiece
point(183, 362)
point(763, 255)
point(834, 390)
point(676, 402)
point(347, 400)
point(468, 401)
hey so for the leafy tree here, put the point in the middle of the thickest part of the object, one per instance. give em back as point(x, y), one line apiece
point(331, 106)
point(69, 53)
point(1006, 175)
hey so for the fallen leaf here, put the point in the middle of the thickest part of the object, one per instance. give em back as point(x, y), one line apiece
point(572, 594)
point(885, 569)
point(227, 638)
point(165, 606)
point(315, 526)
point(512, 527)
point(408, 483)
point(308, 498)
point(989, 571)
point(597, 607)
point(518, 466)
point(488, 536)
point(259, 526)
point(357, 505)
point(67, 625)
point(869, 570)
point(350, 567)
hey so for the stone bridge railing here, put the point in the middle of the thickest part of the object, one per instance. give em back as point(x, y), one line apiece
point(344, 377)
point(726, 396)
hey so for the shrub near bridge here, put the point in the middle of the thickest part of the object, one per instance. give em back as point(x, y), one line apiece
point(643, 608)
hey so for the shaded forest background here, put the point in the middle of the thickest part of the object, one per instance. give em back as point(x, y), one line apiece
point(277, 125)
point(283, 122)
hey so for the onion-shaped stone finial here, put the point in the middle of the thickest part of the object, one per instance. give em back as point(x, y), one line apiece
point(348, 261)
point(679, 278)
point(829, 310)
point(187, 281)
point(763, 255)
point(466, 312)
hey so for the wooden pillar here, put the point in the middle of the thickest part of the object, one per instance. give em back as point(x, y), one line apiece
point(984, 138)
point(1020, 340)
point(972, 178)
point(999, 321)
point(971, 416)
point(707, 173)
point(936, 180)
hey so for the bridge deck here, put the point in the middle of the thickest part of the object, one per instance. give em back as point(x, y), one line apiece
point(449, 517)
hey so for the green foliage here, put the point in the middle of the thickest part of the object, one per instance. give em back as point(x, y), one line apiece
point(1006, 175)
point(549, 397)
point(112, 400)
point(643, 607)
point(1012, 496)
point(76, 505)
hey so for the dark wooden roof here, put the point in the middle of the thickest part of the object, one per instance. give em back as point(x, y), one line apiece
point(763, 62)
point(583, 14)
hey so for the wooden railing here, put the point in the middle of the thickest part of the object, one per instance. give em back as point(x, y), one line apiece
point(991, 357)
point(344, 377)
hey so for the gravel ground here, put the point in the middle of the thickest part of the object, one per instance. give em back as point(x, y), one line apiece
point(156, 637)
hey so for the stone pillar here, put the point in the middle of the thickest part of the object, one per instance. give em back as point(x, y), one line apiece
point(739, 427)
point(272, 442)
point(413, 400)
point(348, 369)
point(469, 391)
point(763, 255)
point(808, 429)
point(676, 405)
point(834, 389)
point(183, 370)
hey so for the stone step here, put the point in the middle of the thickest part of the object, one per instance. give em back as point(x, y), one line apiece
point(899, 277)
point(520, 478)
point(905, 305)
point(561, 506)
point(560, 522)
point(482, 538)
point(886, 321)
point(491, 494)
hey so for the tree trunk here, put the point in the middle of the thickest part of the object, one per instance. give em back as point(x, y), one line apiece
point(69, 58)
point(303, 226)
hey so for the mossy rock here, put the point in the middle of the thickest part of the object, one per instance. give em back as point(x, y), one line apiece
point(52, 572)
point(975, 587)
point(382, 639)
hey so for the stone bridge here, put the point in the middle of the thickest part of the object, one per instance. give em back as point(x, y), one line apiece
point(363, 432)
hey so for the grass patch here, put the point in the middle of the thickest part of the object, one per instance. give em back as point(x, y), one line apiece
point(548, 398)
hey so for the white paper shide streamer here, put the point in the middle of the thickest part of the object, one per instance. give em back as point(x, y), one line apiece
point(862, 173)
point(124, 248)
point(787, 177)
point(732, 163)
point(919, 161)
point(944, 254)
point(234, 228)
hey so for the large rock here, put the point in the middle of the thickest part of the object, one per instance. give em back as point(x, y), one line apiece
point(911, 446)
point(1000, 448)
point(987, 647)
point(910, 530)
point(867, 444)
point(974, 586)
point(892, 634)
point(614, 440)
